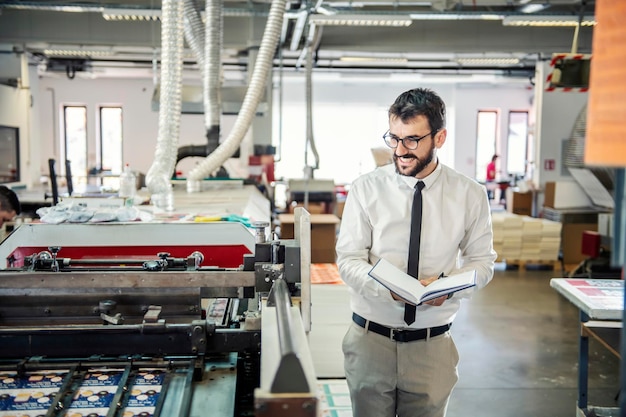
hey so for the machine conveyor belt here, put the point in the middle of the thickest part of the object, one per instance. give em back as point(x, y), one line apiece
point(173, 387)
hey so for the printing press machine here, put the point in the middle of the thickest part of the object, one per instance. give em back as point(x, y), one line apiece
point(155, 319)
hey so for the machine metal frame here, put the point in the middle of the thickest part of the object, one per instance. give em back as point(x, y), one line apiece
point(79, 313)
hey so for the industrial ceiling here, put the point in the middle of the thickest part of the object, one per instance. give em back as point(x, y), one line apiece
point(435, 35)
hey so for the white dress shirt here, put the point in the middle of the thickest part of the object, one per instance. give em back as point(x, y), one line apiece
point(376, 223)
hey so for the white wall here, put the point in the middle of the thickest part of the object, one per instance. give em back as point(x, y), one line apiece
point(472, 98)
point(340, 128)
point(557, 112)
point(350, 117)
point(140, 122)
point(15, 112)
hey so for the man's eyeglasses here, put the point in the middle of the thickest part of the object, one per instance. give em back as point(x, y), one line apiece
point(409, 142)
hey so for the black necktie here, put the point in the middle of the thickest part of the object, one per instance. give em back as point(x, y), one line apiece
point(414, 245)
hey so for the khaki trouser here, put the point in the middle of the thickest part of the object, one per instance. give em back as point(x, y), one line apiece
point(388, 378)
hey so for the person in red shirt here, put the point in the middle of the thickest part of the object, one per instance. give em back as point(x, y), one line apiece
point(491, 176)
point(491, 169)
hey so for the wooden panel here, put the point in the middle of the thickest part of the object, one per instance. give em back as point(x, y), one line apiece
point(605, 143)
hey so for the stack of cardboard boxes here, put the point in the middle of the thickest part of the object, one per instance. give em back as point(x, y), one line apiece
point(567, 202)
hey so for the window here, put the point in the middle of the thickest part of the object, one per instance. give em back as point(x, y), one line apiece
point(517, 143)
point(9, 154)
point(348, 146)
point(486, 138)
point(111, 139)
point(75, 122)
point(101, 159)
point(110, 145)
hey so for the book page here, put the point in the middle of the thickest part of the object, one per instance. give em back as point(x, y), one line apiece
point(411, 290)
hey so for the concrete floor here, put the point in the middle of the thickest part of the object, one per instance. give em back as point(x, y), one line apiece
point(518, 342)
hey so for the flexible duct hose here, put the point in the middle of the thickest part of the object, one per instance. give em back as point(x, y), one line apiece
point(194, 31)
point(258, 80)
point(208, 55)
point(159, 174)
point(212, 73)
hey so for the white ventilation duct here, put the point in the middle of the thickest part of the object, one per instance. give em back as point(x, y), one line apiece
point(212, 75)
point(206, 46)
point(159, 174)
point(194, 31)
point(574, 152)
point(253, 96)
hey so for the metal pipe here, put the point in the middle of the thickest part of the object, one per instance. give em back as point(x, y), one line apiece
point(283, 317)
point(185, 403)
point(162, 279)
point(192, 150)
point(290, 375)
point(55, 133)
point(72, 329)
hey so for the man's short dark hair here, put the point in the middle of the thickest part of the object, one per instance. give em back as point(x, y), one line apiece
point(420, 101)
point(9, 200)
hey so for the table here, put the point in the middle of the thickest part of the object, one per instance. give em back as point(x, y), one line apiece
point(502, 186)
point(601, 305)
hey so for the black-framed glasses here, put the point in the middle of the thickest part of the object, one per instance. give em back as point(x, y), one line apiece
point(409, 142)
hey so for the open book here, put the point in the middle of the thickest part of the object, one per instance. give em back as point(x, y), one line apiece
point(411, 290)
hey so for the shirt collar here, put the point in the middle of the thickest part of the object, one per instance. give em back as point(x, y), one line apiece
point(428, 181)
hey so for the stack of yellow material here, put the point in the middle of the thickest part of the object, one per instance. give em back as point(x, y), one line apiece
point(512, 239)
point(531, 238)
point(497, 221)
point(550, 240)
point(523, 238)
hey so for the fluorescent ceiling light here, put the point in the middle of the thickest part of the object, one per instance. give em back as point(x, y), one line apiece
point(155, 14)
point(547, 20)
point(326, 11)
point(128, 14)
point(361, 20)
point(488, 61)
point(360, 4)
point(77, 52)
point(455, 16)
point(534, 8)
point(357, 59)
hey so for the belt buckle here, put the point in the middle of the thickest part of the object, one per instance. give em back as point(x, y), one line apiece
point(398, 335)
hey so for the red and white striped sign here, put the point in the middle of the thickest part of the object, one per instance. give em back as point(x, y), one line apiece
point(554, 77)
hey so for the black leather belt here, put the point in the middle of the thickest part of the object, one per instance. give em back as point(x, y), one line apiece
point(400, 335)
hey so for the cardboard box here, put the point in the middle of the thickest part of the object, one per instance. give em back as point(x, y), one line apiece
point(323, 235)
point(339, 208)
point(315, 207)
point(565, 194)
point(572, 241)
point(519, 203)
